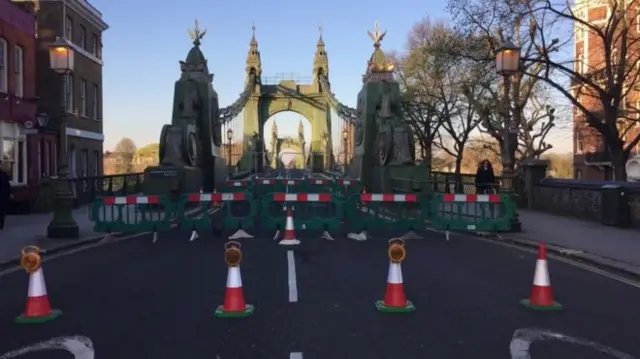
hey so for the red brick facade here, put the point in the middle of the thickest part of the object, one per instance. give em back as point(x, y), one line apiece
point(591, 160)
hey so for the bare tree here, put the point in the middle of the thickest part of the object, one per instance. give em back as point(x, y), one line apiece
point(598, 82)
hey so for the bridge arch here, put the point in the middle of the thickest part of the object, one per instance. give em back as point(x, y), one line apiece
point(284, 130)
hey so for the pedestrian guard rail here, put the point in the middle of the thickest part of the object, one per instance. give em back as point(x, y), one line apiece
point(341, 187)
point(312, 211)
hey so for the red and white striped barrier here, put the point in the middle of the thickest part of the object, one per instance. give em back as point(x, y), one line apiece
point(217, 197)
point(290, 182)
point(473, 198)
point(237, 183)
point(388, 197)
point(265, 181)
point(131, 200)
point(343, 182)
point(302, 197)
point(319, 181)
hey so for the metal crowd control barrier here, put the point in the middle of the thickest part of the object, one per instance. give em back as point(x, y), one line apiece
point(388, 211)
point(266, 186)
point(347, 188)
point(471, 212)
point(132, 214)
point(235, 186)
point(238, 210)
point(314, 211)
point(320, 185)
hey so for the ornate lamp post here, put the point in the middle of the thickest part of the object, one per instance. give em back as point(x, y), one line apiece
point(507, 65)
point(345, 139)
point(229, 138)
point(62, 225)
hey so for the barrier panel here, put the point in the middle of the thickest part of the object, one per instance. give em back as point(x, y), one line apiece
point(131, 214)
point(235, 186)
point(314, 211)
point(237, 210)
point(387, 211)
point(320, 186)
point(347, 188)
point(266, 186)
point(471, 212)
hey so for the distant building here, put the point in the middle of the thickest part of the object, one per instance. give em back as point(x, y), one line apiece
point(18, 143)
point(591, 160)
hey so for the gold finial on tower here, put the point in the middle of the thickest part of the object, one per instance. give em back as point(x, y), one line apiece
point(196, 34)
point(377, 36)
point(253, 29)
point(320, 29)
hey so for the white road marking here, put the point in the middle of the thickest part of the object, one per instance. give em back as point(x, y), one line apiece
point(524, 337)
point(296, 355)
point(81, 347)
point(293, 283)
point(574, 263)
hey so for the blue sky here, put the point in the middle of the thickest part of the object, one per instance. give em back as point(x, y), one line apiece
point(147, 38)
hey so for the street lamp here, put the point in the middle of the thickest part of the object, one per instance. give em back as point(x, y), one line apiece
point(229, 138)
point(508, 64)
point(63, 225)
point(345, 139)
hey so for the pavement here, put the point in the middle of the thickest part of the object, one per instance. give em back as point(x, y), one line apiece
point(136, 299)
point(610, 247)
point(22, 230)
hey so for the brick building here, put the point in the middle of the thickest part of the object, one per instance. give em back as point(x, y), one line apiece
point(17, 99)
point(78, 95)
point(591, 160)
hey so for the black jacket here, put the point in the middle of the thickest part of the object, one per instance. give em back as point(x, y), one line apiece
point(485, 178)
point(5, 188)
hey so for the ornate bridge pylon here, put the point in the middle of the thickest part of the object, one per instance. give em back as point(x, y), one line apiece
point(258, 102)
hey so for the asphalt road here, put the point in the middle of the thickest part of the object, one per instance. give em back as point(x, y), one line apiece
point(136, 299)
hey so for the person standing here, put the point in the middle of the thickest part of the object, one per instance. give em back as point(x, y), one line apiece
point(5, 194)
point(485, 178)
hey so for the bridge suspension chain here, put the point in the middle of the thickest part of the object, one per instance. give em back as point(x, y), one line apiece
point(230, 112)
point(344, 112)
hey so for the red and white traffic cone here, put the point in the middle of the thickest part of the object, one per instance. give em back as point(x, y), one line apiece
point(38, 309)
point(289, 231)
point(234, 304)
point(541, 294)
point(395, 300)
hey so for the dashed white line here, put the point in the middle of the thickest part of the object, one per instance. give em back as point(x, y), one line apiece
point(293, 283)
point(296, 355)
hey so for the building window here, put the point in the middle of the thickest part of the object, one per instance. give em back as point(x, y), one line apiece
point(46, 158)
point(579, 142)
point(84, 162)
point(579, 60)
point(68, 28)
point(96, 102)
point(18, 70)
point(4, 83)
point(68, 92)
point(83, 37)
point(13, 153)
point(96, 163)
point(95, 46)
point(83, 97)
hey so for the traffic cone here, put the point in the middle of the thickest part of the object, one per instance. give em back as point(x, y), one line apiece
point(38, 309)
point(234, 305)
point(541, 295)
point(395, 300)
point(289, 231)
